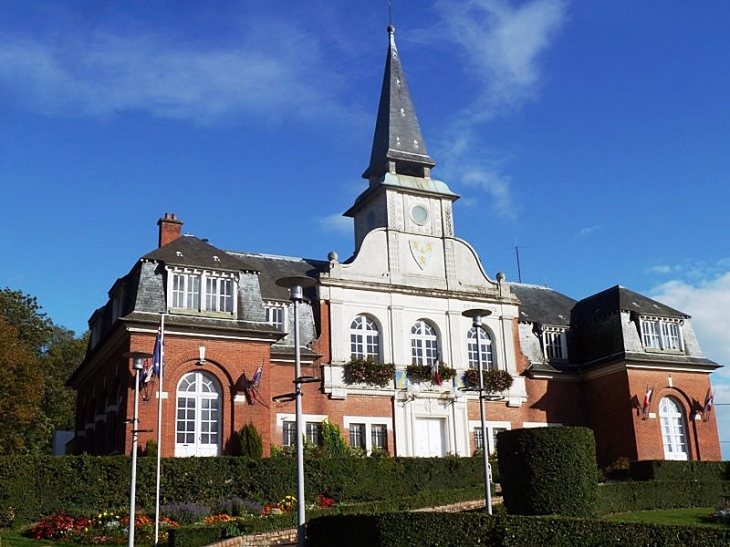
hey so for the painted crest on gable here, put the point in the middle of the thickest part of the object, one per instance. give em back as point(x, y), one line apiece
point(422, 252)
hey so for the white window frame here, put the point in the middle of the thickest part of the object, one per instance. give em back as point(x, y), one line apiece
point(486, 345)
point(555, 344)
point(475, 427)
point(306, 419)
point(369, 422)
point(364, 338)
point(202, 291)
point(661, 334)
point(276, 314)
point(424, 343)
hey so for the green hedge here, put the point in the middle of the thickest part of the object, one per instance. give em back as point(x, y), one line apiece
point(41, 485)
point(548, 471)
point(623, 497)
point(665, 470)
point(468, 529)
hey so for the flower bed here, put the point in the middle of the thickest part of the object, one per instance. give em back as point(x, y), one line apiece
point(368, 371)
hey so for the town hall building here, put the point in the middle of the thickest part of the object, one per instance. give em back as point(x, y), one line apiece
point(390, 334)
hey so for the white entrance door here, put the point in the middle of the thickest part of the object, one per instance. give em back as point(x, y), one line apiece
point(673, 431)
point(197, 430)
point(430, 437)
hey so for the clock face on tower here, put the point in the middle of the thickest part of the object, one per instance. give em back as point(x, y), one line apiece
point(419, 215)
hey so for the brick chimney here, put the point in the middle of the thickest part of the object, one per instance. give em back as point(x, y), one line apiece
point(170, 228)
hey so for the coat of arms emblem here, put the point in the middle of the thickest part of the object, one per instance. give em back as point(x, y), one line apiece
point(422, 252)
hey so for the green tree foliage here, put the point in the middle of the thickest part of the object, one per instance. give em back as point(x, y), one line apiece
point(251, 443)
point(20, 393)
point(49, 354)
point(333, 445)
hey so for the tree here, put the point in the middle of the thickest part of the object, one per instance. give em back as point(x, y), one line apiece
point(49, 354)
point(34, 327)
point(20, 391)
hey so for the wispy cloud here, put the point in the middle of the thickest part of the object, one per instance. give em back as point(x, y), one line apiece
point(588, 230)
point(105, 72)
point(501, 42)
point(336, 224)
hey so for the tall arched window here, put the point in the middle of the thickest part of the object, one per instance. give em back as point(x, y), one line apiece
point(485, 346)
point(424, 344)
point(198, 424)
point(364, 338)
point(674, 436)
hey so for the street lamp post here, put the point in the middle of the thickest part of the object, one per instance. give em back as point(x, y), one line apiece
point(137, 358)
point(296, 286)
point(476, 315)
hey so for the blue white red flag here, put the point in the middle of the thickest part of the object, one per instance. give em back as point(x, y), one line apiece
point(709, 401)
point(647, 402)
point(435, 370)
point(157, 355)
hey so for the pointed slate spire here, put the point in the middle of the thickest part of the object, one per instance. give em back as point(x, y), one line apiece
point(398, 145)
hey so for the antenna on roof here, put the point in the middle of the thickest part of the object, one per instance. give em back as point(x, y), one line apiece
point(519, 269)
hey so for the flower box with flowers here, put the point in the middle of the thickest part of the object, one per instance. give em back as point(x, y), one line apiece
point(423, 373)
point(495, 381)
point(369, 371)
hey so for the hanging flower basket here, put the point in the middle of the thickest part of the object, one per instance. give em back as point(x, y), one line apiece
point(495, 381)
point(368, 371)
point(424, 373)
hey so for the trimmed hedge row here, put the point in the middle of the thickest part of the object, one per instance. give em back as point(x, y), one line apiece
point(196, 535)
point(666, 470)
point(548, 471)
point(467, 529)
point(623, 497)
point(41, 485)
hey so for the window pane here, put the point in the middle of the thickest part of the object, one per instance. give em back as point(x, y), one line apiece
point(357, 436)
point(424, 344)
point(485, 345)
point(364, 339)
point(379, 437)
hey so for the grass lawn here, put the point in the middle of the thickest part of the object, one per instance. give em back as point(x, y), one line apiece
point(696, 516)
point(13, 538)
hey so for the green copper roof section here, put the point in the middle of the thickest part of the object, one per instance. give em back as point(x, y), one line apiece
point(398, 145)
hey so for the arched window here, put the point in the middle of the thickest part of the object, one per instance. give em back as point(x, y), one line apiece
point(672, 423)
point(364, 338)
point(424, 344)
point(198, 425)
point(485, 347)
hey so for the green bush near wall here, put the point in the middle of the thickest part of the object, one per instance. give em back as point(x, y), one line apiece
point(35, 486)
point(468, 529)
point(623, 497)
point(666, 470)
point(548, 471)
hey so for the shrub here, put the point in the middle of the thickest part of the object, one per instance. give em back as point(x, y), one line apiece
point(185, 513)
point(238, 507)
point(248, 442)
point(368, 371)
point(548, 471)
point(333, 445)
point(150, 449)
point(647, 470)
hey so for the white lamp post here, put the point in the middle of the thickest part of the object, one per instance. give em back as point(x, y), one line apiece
point(137, 358)
point(476, 315)
point(296, 286)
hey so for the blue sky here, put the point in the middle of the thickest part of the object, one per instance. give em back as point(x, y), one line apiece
point(593, 134)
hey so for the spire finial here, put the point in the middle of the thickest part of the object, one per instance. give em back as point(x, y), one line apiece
point(390, 17)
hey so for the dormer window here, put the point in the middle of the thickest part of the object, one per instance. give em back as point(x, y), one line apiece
point(276, 315)
point(661, 334)
point(202, 291)
point(555, 344)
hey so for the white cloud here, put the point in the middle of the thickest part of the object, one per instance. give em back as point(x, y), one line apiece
point(498, 188)
point(502, 41)
point(588, 230)
point(336, 224)
point(103, 73)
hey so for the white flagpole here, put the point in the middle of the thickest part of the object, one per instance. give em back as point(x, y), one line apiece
point(159, 428)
